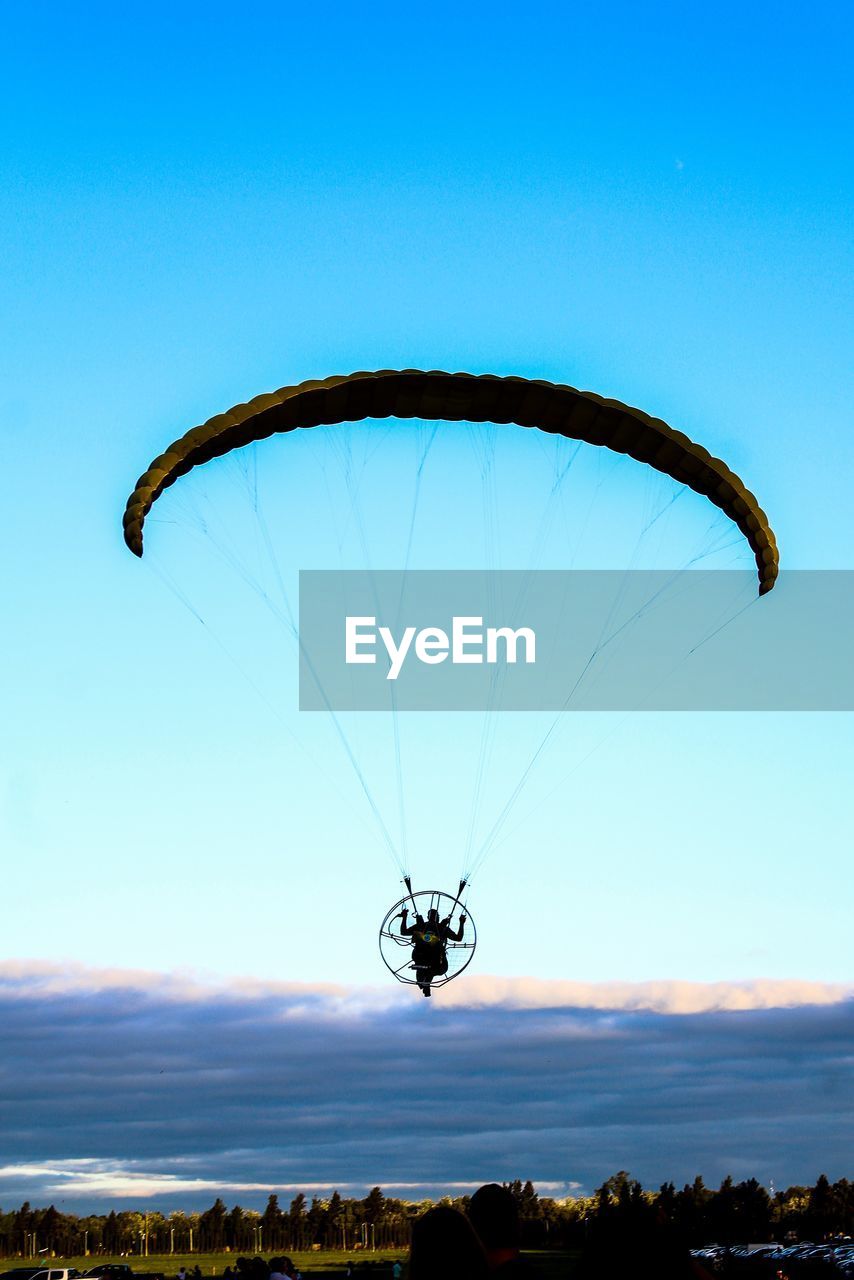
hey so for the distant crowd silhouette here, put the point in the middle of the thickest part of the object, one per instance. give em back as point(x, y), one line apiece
point(484, 1244)
point(280, 1268)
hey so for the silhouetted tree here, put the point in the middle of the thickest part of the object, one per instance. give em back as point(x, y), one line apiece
point(821, 1207)
point(272, 1222)
point(111, 1233)
point(529, 1203)
point(751, 1211)
point(334, 1220)
point(373, 1206)
point(212, 1227)
point(235, 1229)
point(296, 1222)
point(666, 1202)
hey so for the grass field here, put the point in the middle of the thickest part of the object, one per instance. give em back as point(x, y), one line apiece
point(552, 1265)
point(214, 1264)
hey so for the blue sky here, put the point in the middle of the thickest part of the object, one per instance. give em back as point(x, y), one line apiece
point(201, 203)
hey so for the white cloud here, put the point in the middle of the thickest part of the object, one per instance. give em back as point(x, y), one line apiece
point(26, 978)
point(110, 1179)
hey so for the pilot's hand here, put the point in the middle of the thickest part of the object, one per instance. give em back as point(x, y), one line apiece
point(463, 919)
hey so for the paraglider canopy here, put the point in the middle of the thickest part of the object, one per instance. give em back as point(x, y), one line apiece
point(455, 397)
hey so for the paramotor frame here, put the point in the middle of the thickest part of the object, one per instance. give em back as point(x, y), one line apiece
point(396, 947)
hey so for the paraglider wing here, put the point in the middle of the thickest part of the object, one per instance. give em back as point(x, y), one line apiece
point(452, 397)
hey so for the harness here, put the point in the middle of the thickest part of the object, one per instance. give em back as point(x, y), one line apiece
point(428, 949)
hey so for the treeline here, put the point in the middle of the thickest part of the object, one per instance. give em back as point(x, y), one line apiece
point(735, 1212)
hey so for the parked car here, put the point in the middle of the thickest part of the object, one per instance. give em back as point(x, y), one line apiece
point(41, 1273)
point(119, 1271)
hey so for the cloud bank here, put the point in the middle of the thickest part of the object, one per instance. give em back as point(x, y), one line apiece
point(171, 1089)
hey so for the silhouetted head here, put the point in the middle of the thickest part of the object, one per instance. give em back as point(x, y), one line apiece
point(433, 916)
point(495, 1217)
point(444, 1244)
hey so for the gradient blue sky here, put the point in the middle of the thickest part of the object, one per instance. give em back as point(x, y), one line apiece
point(200, 203)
